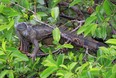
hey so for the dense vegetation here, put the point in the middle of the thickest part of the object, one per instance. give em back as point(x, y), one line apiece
point(99, 17)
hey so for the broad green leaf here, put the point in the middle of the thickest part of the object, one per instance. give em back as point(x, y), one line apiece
point(60, 59)
point(81, 29)
point(72, 65)
point(10, 12)
point(42, 13)
point(104, 50)
point(2, 60)
point(64, 66)
point(2, 66)
point(54, 3)
point(20, 56)
point(67, 46)
point(114, 47)
point(84, 65)
point(41, 2)
point(107, 8)
point(98, 32)
point(114, 69)
point(4, 45)
point(94, 69)
point(48, 71)
point(104, 60)
point(90, 28)
point(11, 24)
point(8, 34)
point(104, 31)
point(25, 3)
point(111, 41)
point(3, 73)
point(99, 17)
point(68, 75)
point(1, 8)
point(81, 58)
point(61, 72)
point(49, 61)
point(94, 27)
point(56, 34)
point(11, 75)
point(3, 27)
point(74, 2)
point(59, 46)
point(55, 12)
point(6, 1)
point(89, 20)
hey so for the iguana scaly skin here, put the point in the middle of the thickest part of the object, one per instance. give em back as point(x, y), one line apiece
point(42, 31)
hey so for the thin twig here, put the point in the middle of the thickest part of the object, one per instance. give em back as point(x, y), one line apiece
point(22, 7)
point(80, 24)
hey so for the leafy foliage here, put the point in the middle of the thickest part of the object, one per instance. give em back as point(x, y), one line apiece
point(100, 22)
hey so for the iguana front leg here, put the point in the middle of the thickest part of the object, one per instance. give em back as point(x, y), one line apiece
point(35, 50)
point(24, 46)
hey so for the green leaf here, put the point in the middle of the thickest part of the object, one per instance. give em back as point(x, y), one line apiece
point(94, 69)
point(3, 73)
point(114, 69)
point(104, 50)
point(1, 8)
point(104, 31)
point(55, 12)
point(90, 20)
point(99, 17)
point(84, 65)
point(4, 45)
point(64, 66)
point(72, 65)
point(11, 24)
point(88, 26)
point(98, 32)
point(11, 75)
point(111, 41)
point(60, 59)
point(67, 46)
point(54, 2)
point(61, 72)
point(10, 12)
point(107, 8)
point(42, 13)
point(6, 1)
point(41, 2)
point(56, 34)
point(68, 75)
point(93, 29)
point(3, 27)
point(48, 71)
point(19, 56)
point(2, 66)
point(50, 61)
point(81, 29)
point(89, 29)
point(74, 2)
point(81, 58)
point(25, 3)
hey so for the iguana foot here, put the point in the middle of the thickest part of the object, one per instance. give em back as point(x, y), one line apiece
point(31, 55)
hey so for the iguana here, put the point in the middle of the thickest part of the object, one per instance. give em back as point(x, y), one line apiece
point(32, 34)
